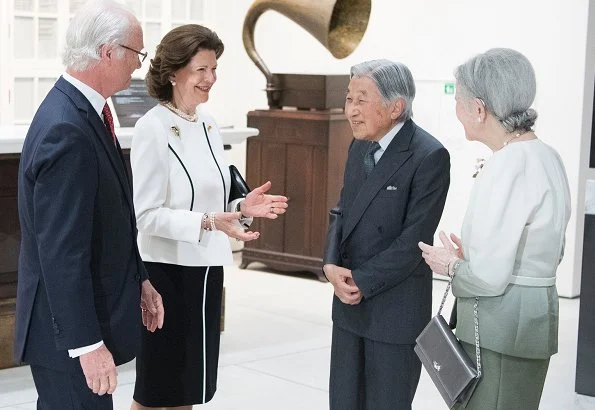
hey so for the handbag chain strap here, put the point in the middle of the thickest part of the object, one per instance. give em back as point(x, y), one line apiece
point(475, 323)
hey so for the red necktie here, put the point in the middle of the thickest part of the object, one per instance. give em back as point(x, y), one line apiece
point(109, 121)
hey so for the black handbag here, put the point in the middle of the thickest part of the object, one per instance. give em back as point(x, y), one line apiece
point(239, 188)
point(450, 368)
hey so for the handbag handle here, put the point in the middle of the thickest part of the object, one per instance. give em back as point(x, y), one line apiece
point(475, 320)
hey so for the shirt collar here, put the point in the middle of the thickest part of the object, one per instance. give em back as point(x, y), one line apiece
point(96, 99)
point(387, 139)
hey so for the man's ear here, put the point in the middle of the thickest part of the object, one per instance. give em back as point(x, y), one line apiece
point(106, 51)
point(398, 107)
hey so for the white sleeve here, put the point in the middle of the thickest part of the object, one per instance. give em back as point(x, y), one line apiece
point(79, 351)
point(149, 159)
point(501, 209)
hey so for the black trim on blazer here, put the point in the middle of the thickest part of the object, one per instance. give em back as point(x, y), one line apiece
point(216, 163)
point(187, 174)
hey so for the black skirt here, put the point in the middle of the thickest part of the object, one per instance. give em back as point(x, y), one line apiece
point(177, 365)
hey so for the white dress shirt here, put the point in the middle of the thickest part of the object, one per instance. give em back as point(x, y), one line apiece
point(385, 141)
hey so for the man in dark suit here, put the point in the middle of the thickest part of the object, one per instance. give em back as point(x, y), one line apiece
point(395, 185)
point(79, 303)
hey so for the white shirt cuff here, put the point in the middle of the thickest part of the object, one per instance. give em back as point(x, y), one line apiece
point(79, 351)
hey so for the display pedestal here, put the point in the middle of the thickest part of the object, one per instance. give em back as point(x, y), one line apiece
point(585, 357)
point(303, 154)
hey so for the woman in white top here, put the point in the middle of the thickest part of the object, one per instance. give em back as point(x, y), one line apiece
point(512, 236)
point(185, 219)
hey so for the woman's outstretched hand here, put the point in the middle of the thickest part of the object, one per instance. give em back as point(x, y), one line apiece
point(227, 222)
point(260, 204)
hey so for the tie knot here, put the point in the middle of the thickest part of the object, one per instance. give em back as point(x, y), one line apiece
point(107, 113)
point(369, 161)
point(374, 146)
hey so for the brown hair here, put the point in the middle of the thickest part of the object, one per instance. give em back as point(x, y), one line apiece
point(175, 51)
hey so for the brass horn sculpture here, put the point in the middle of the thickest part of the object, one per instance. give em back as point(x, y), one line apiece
point(338, 25)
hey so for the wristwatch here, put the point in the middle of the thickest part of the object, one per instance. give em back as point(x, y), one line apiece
point(245, 221)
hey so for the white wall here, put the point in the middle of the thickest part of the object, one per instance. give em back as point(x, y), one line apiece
point(4, 51)
point(432, 37)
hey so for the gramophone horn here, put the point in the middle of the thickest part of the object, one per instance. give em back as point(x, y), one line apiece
point(338, 25)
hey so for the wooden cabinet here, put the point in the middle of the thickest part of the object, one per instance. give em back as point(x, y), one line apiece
point(10, 242)
point(303, 154)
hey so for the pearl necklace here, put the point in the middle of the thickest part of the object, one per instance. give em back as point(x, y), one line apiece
point(180, 113)
point(518, 134)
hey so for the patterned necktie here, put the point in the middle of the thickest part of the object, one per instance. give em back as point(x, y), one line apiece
point(109, 121)
point(369, 161)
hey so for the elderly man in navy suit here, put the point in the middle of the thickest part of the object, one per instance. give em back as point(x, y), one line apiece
point(395, 185)
point(83, 291)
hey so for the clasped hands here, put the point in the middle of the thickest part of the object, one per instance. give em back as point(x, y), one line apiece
point(342, 280)
point(440, 258)
point(256, 204)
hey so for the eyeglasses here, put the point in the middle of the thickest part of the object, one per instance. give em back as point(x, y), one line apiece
point(142, 55)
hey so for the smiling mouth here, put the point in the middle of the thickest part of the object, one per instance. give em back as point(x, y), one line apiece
point(204, 89)
point(356, 122)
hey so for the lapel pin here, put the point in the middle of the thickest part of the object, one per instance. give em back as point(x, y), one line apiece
point(478, 166)
point(176, 131)
point(209, 128)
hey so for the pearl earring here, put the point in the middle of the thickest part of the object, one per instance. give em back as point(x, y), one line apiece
point(172, 81)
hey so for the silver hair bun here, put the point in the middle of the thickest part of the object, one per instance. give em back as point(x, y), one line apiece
point(520, 121)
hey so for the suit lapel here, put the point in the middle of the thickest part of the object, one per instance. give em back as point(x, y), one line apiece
point(396, 154)
point(101, 133)
point(113, 152)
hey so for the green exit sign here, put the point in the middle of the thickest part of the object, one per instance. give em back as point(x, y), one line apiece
point(449, 88)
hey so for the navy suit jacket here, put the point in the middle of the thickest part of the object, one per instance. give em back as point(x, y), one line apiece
point(376, 229)
point(79, 269)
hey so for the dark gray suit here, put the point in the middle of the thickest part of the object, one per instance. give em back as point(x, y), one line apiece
point(380, 220)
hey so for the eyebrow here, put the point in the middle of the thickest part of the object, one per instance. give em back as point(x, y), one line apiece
point(362, 92)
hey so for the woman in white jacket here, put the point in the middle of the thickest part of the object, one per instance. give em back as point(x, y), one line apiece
point(185, 219)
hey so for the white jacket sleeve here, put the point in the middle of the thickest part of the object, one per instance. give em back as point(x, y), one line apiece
point(149, 159)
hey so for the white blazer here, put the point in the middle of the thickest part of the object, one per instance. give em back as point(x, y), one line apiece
point(179, 173)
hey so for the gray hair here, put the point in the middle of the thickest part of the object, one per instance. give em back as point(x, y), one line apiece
point(394, 81)
point(95, 24)
point(504, 80)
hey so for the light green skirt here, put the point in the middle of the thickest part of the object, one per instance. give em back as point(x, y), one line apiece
point(507, 382)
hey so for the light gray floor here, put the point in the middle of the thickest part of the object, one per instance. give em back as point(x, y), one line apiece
point(276, 346)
